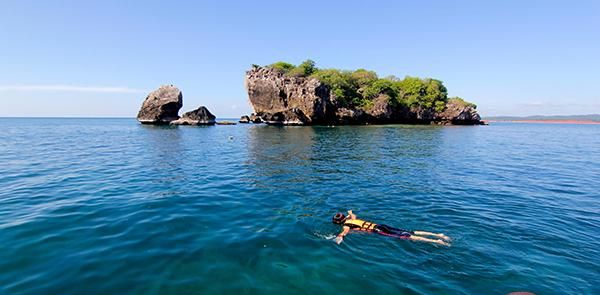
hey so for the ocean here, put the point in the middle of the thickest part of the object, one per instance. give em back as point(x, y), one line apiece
point(109, 206)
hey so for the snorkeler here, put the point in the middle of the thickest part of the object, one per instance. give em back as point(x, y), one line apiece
point(350, 222)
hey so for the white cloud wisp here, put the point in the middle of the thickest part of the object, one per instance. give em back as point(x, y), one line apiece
point(69, 88)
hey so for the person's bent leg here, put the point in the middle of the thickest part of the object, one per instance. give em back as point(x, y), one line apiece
point(422, 239)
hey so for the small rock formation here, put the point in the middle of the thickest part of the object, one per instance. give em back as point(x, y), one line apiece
point(161, 106)
point(199, 116)
point(278, 99)
point(256, 119)
point(458, 113)
point(245, 119)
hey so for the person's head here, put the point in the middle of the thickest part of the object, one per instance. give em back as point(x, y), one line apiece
point(338, 218)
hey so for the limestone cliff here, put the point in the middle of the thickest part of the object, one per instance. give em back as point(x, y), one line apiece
point(277, 98)
point(281, 99)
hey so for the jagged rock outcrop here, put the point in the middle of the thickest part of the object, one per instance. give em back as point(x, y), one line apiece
point(161, 106)
point(279, 99)
point(349, 116)
point(381, 110)
point(256, 119)
point(199, 116)
point(244, 119)
point(459, 113)
point(275, 96)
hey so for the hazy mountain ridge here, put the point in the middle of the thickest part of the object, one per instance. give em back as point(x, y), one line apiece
point(590, 117)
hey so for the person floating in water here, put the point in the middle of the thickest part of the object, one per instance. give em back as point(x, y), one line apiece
point(350, 222)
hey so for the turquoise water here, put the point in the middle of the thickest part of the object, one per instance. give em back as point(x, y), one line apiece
point(108, 206)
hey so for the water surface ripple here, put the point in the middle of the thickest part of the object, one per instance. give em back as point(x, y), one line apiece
point(108, 206)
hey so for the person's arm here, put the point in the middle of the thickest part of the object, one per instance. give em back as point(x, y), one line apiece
point(351, 215)
point(340, 238)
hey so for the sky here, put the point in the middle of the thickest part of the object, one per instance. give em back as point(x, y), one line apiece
point(101, 58)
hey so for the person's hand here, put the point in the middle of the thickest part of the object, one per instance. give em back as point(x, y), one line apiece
point(349, 211)
point(338, 239)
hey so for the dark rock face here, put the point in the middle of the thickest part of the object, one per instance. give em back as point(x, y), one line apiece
point(275, 96)
point(459, 114)
point(382, 110)
point(161, 106)
point(199, 116)
point(348, 116)
point(245, 119)
point(256, 119)
point(287, 117)
point(278, 99)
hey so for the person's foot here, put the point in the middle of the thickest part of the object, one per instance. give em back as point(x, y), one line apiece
point(445, 237)
point(442, 242)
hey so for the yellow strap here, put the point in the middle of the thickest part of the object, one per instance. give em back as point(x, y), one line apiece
point(365, 225)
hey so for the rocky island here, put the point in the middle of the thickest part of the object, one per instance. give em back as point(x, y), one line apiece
point(284, 94)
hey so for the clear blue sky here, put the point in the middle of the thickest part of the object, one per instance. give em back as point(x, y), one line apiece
point(100, 58)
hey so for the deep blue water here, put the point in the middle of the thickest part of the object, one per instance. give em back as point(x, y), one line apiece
point(108, 206)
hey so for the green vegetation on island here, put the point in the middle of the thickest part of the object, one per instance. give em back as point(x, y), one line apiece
point(359, 88)
point(461, 102)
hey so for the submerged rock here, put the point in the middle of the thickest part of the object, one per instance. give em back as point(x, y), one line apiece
point(199, 116)
point(161, 106)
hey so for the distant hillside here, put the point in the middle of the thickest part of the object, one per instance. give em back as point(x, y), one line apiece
point(592, 117)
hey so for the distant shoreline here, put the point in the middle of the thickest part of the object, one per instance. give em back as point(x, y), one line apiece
point(582, 122)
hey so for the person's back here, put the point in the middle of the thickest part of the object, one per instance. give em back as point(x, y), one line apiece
point(359, 224)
